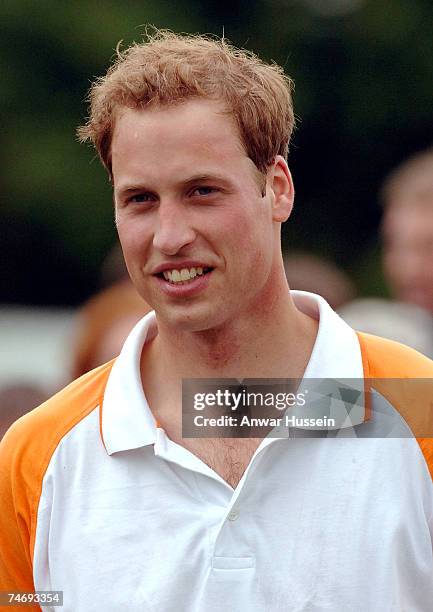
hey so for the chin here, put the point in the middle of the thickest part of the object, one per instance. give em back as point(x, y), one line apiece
point(190, 320)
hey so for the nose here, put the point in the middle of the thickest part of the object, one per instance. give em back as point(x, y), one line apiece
point(173, 230)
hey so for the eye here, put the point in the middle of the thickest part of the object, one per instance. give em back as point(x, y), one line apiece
point(139, 198)
point(203, 191)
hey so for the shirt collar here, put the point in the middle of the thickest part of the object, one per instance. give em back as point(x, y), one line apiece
point(336, 352)
point(127, 421)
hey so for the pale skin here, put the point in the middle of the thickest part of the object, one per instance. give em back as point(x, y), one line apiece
point(186, 191)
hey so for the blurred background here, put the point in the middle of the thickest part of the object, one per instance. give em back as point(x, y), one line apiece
point(363, 71)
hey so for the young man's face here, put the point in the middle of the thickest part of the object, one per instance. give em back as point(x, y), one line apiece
point(189, 205)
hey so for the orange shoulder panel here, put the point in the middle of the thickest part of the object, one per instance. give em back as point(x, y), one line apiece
point(405, 378)
point(25, 453)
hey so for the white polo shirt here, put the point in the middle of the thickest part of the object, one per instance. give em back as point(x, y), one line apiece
point(129, 520)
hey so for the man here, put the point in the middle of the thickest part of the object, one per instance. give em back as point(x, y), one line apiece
point(407, 195)
point(103, 497)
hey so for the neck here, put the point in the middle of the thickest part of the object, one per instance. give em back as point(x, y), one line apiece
point(274, 341)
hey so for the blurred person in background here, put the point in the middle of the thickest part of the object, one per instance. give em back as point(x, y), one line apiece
point(103, 324)
point(307, 272)
point(103, 496)
point(407, 230)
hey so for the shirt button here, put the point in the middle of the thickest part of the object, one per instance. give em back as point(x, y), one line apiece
point(233, 515)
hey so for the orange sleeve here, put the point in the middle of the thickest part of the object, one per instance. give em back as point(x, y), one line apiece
point(18, 515)
point(426, 446)
point(405, 378)
point(25, 453)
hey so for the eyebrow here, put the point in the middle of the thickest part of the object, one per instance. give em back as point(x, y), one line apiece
point(130, 189)
point(198, 178)
point(205, 178)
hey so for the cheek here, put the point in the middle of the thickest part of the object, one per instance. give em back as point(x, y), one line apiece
point(134, 239)
point(249, 223)
point(253, 246)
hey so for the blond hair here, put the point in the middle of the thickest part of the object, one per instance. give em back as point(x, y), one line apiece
point(169, 68)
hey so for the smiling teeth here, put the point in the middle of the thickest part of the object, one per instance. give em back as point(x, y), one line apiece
point(178, 276)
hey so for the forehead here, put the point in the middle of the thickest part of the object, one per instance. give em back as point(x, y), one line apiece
point(199, 132)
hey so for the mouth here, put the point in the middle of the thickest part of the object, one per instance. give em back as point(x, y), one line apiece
point(183, 276)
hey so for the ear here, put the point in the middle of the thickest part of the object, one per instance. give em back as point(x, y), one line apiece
point(281, 185)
